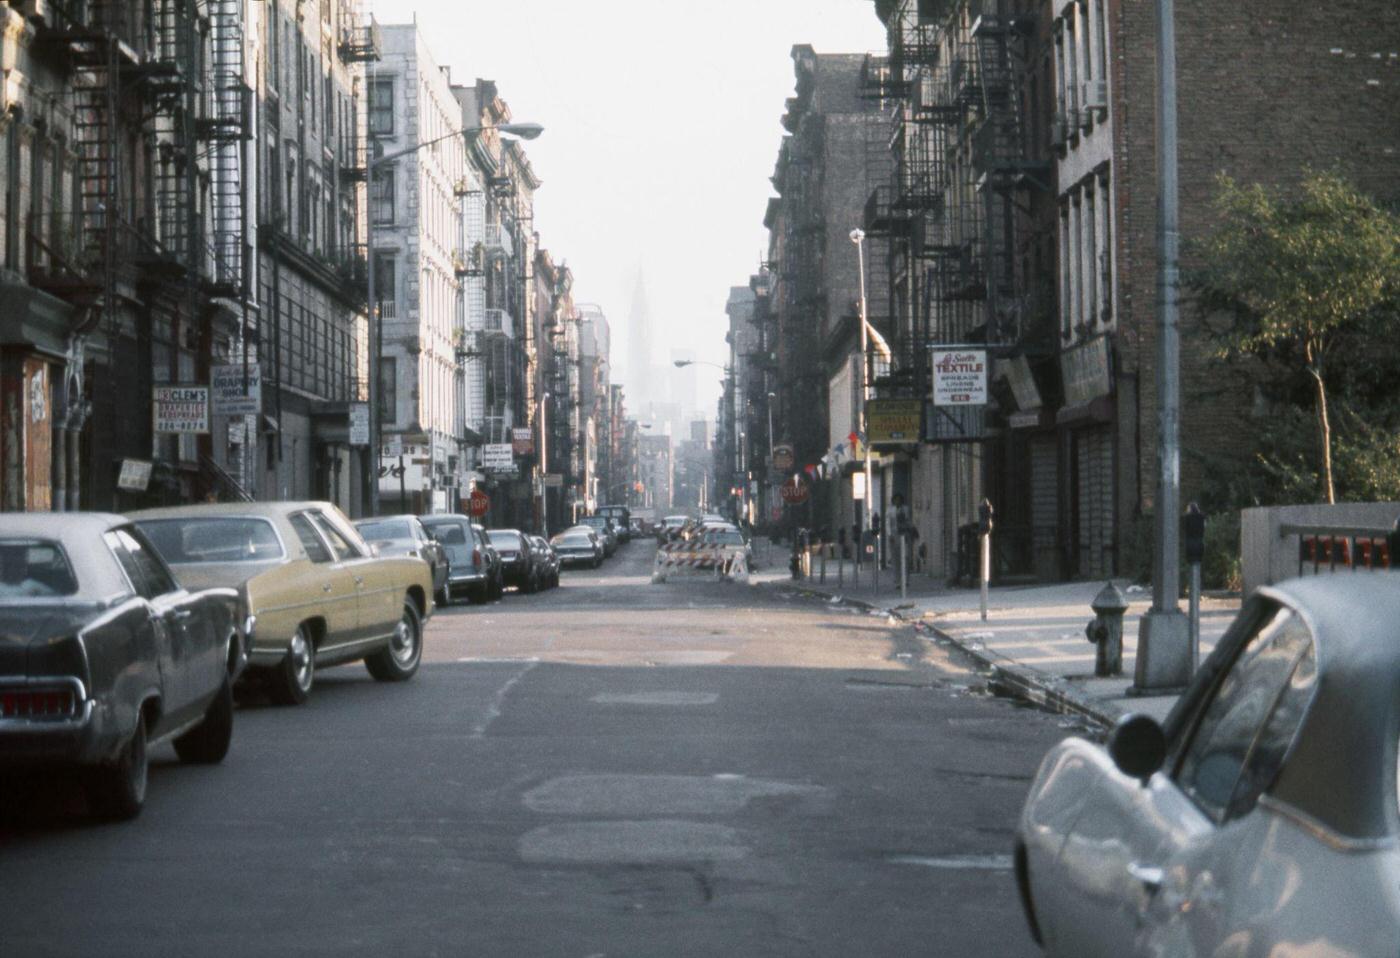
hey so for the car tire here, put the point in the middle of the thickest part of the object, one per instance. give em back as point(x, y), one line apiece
point(117, 792)
point(293, 677)
point(399, 660)
point(207, 743)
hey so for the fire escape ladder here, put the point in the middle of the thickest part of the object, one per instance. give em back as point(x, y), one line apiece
point(225, 130)
point(95, 107)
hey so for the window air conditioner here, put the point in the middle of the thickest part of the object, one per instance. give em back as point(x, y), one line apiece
point(1096, 97)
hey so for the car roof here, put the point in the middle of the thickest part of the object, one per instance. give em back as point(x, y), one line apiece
point(265, 509)
point(1341, 770)
point(98, 574)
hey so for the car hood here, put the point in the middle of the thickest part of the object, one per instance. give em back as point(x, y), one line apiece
point(207, 575)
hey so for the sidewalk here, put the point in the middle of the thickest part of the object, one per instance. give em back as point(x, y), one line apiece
point(1033, 640)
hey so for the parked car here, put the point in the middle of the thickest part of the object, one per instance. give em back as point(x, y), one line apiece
point(103, 655)
point(517, 559)
point(603, 526)
point(1261, 819)
point(670, 527)
point(727, 536)
point(547, 561)
point(473, 565)
point(317, 593)
point(621, 518)
point(578, 546)
point(405, 535)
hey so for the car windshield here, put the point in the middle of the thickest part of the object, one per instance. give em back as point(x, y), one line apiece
point(455, 541)
point(573, 539)
point(217, 539)
point(504, 540)
point(34, 568)
point(383, 530)
point(723, 538)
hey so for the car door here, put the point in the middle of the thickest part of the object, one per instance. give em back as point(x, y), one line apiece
point(334, 591)
point(375, 594)
point(179, 623)
point(1140, 858)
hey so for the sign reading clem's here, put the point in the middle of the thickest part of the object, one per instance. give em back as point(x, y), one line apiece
point(959, 377)
point(180, 409)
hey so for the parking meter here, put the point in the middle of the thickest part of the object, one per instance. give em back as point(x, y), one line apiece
point(984, 518)
point(1193, 534)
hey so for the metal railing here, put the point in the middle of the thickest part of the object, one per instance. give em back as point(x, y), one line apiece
point(498, 238)
point(1340, 548)
point(500, 321)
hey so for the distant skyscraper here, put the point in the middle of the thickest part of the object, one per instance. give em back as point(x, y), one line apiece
point(639, 360)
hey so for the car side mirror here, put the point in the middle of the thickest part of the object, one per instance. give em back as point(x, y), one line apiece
point(1138, 746)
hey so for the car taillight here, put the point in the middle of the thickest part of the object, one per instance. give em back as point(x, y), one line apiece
point(476, 558)
point(38, 703)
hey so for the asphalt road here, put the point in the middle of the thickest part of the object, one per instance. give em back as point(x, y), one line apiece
point(612, 768)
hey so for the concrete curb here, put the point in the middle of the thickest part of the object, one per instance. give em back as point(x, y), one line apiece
point(1031, 685)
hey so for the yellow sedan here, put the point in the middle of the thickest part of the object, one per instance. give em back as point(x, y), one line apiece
point(316, 594)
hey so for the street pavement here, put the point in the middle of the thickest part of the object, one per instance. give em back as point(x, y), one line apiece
point(1033, 638)
point(613, 768)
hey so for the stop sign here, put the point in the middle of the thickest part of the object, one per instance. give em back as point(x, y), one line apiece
point(478, 502)
point(794, 492)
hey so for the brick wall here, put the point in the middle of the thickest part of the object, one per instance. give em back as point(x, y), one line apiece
point(1266, 88)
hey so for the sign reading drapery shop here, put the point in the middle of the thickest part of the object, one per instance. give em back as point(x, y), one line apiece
point(522, 441)
point(232, 394)
point(892, 421)
point(497, 457)
point(959, 377)
point(1085, 370)
point(180, 409)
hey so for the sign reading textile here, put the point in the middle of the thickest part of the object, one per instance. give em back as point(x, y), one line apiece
point(959, 377)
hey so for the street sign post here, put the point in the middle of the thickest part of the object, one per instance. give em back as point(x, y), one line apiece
point(478, 503)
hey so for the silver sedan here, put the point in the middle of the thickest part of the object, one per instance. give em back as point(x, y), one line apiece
point(1262, 820)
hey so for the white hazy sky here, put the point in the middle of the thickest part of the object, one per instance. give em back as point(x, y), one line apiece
point(662, 124)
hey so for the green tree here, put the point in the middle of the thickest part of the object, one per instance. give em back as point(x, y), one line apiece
point(1301, 277)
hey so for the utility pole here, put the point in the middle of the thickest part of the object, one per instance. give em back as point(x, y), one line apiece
point(1164, 655)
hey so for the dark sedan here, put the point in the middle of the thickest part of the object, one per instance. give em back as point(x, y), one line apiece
point(546, 560)
point(103, 655)
point(517, 559)
point(577, 547)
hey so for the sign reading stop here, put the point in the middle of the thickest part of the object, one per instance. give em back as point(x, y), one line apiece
point(478, 502)
point(794, 492)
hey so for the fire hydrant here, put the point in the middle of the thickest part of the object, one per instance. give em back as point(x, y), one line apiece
point(1106, 630)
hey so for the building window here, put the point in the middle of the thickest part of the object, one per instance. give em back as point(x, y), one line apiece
point(385, 288)
point(384, 197)
point(388, 390)
point(381, 108)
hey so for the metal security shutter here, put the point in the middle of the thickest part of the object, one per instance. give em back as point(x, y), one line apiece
point(1095, 451)
point(1045, 506)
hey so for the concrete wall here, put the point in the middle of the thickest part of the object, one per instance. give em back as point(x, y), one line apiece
point(1267, 557)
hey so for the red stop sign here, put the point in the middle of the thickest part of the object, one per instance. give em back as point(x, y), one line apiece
point(793, 493)
point(478, 502)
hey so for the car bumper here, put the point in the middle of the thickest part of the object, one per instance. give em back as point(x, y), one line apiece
point(79, 740)
point(581, 559)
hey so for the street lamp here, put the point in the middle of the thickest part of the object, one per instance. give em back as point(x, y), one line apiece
point(858, 237)
point(525, 131)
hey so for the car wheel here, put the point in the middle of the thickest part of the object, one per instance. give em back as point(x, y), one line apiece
point(207, 743)
point(118, 791)
point(293, 678)
point(398, 660)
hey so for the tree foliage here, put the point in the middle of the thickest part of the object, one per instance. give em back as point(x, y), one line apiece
point(1307, 284)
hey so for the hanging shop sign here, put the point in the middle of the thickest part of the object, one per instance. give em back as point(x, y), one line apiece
point(359, 424)
point(555, 480)
point(135, 475)
point(232, 394)
point(1086, 371)
point(498, 457)
point(959, 377)
point(894, 421)
point(522, 441)
point(180, 409)
point(783, 458)
point(1022, 383)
